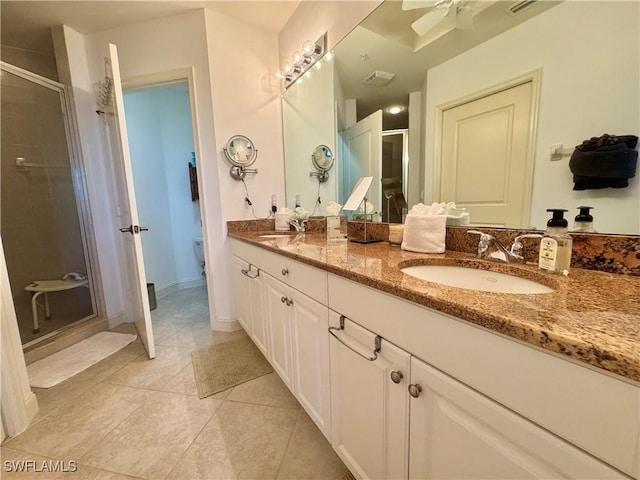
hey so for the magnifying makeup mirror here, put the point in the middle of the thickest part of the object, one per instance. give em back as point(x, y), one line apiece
point(323, 160)
point(241, 152)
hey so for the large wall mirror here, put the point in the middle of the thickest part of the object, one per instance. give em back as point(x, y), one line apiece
point(413, 108)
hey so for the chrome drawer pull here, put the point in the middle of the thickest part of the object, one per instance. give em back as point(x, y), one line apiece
point(378, 341)
point(247, 272)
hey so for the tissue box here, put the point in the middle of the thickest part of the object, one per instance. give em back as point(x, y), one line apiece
point(282, 221)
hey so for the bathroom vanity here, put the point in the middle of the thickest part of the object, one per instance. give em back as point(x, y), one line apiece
point(413, 379)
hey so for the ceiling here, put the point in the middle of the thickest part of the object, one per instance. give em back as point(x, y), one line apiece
point(25, 24)
point(385, 41)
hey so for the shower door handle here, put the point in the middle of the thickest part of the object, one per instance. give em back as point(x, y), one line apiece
point(133, 229)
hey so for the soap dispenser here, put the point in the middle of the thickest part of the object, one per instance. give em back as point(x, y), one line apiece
point(583, 221)
point(555, 246)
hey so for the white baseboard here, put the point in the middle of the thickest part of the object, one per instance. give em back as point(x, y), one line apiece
point(225, 325)
point(116, 320)
point(31, 405)
point(198, 282)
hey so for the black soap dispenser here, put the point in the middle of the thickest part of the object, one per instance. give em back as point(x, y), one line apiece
point(584, 221)
point(556, 244)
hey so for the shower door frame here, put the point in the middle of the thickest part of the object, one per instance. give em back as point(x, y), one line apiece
point(80, 192)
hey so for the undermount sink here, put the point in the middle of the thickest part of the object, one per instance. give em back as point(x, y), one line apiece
point(470, 277)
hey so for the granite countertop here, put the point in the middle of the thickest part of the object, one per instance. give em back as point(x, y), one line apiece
point(592, 317)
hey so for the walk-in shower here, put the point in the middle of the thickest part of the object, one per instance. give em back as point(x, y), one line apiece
point(42, 207)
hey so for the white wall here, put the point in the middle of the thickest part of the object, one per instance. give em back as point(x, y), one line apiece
point(589, 54)
point(309, 121)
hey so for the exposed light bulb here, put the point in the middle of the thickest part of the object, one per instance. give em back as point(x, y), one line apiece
point(308, 47)
point(307, 74)
point(279, 75)
point(287, 68)
point(299, 81)
point(297, 57)
point(328, 56)
point(317, 65)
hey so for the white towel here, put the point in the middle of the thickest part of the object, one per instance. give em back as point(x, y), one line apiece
point(425, 229)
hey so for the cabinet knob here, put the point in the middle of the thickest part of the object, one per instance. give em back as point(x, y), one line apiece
point(285, 271)
point(396, 376)
point(415, 390)
point(283, 299)
point(289, 302)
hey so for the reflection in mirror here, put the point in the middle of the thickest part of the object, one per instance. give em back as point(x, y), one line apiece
point(322, 159)
point(384, 63)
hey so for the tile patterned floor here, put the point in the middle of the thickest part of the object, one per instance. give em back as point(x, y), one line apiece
point(127, 417)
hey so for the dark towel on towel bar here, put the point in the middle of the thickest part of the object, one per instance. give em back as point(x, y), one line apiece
point(604, 162)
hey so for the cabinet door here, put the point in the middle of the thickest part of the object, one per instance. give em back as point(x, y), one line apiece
point(259, 331)
point(369, 411)
point(279, 325)
point(310, 338)
point(243, 291)
point(459, 433)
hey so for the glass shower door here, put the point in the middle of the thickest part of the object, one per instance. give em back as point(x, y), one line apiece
point(41, 223)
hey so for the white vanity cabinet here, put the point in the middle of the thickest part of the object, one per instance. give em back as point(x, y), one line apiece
point(249, 291)
point(369, 402)
point(292, 300)
point(458, 433)
point(485, 406)
point(300, 347)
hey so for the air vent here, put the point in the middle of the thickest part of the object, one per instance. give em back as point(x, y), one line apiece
point(379, 78)
point(520, 6)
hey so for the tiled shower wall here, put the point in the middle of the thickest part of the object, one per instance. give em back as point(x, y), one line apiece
point(39, 217)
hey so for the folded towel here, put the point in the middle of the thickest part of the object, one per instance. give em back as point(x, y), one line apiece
point(604, 162)
point(425, 232)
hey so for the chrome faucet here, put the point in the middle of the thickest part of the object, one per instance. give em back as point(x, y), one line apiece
point(490, 248)
point(299, 226)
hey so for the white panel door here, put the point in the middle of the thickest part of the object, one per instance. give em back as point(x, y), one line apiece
point(486, 157)
point(362, 156)
point(136, 280)
point(310, 338)
point(458, 433)
point(278, 313)
point(242, 287)
point(259, 331)
point(369, 411)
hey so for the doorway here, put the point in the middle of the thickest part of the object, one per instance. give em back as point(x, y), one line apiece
point(161, 143)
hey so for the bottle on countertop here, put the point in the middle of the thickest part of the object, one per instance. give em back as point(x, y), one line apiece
point(555, 246)
point(583, 221)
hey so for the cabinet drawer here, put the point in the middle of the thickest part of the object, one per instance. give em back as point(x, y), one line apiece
point(308, 280)
point(593, 410)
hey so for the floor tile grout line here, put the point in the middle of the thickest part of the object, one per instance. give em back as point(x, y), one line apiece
point(286, 449)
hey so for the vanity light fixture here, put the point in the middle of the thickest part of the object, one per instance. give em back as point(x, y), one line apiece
point(312, 52)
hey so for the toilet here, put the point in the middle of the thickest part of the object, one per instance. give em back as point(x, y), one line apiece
point(198, 247)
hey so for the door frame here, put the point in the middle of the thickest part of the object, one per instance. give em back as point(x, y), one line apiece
point(166, 78)
point(535, 78)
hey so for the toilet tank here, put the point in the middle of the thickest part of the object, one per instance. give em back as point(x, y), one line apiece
point(198, 247)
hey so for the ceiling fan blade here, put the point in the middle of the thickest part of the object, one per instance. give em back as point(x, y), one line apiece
point(429, 21)
point(413, 4)
point(464, 18)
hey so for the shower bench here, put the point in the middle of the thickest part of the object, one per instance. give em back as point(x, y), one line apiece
point(39, 287)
